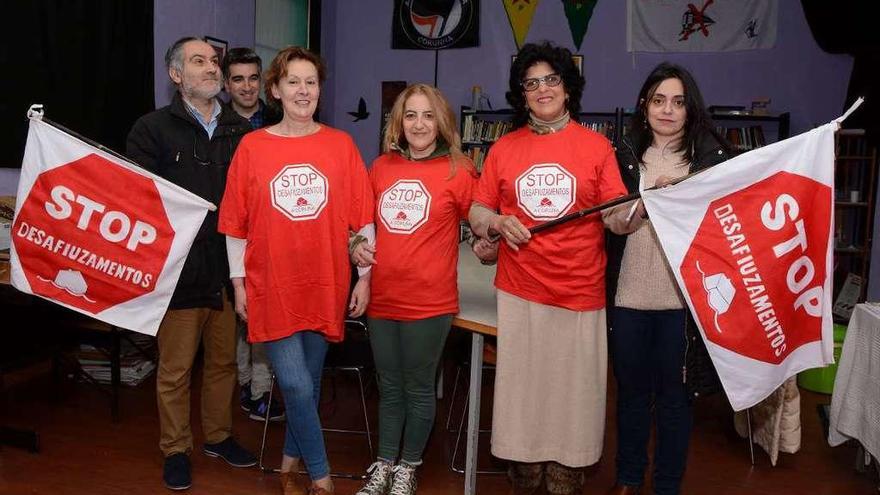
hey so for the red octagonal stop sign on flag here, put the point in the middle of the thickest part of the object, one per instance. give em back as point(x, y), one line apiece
point(756, 268)
point(92, 234)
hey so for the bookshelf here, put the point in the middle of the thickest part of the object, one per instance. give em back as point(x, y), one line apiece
point(481, 128)
point(855, 176)
point(744, 130)
point(747, 131)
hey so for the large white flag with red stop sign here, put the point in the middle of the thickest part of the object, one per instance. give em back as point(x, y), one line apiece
point(96, 234)
point(750, 243)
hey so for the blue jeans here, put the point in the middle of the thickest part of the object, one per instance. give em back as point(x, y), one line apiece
point(298, 361)
point(648, 354)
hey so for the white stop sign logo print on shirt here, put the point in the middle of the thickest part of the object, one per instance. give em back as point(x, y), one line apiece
point(300, 192)
point(404, 206)
point(545, 191)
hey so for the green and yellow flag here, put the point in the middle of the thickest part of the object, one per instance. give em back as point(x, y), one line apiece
point(520, 13)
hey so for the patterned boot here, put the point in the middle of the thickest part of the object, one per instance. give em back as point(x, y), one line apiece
point(379, 481)
point(563, 480)
point(403, 480)
point(525, 477)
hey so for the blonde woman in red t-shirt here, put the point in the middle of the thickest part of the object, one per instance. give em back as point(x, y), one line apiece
point(549, 414)
point(422, 185)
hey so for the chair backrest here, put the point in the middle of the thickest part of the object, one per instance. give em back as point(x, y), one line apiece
point(354, 350)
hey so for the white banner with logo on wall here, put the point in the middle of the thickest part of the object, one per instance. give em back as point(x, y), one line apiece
point(750, 244)
point(700, 25)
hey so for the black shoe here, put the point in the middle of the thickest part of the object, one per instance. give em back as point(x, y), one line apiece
point(260, 406)
point(176, 472)
point(230, 451)
point(245, 397)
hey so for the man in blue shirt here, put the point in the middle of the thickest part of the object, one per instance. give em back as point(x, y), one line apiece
point(242, 78)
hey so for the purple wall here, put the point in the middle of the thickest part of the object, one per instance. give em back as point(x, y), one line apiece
point(796, 74)
point(230, 20)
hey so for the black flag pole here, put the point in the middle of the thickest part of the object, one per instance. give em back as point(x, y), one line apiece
point(436, 65)
point(494, 236)
point(38, 115)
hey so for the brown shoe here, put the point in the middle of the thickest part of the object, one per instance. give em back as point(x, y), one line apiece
point(525, 477)
point(317, 490)
point(563, 480)
point(623, 490)
point(289, 485)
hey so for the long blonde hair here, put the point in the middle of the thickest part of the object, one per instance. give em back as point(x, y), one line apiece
point(394, 138)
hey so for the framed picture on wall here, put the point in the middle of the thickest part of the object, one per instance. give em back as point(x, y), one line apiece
point(219, 45)
point(576, 58)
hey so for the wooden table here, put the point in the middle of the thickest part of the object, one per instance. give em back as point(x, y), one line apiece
point(94, 326)
point(478, 315)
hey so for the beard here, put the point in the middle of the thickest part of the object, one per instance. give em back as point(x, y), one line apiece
point(201, 91)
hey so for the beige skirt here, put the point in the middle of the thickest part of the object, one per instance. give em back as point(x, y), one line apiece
point(549, 384)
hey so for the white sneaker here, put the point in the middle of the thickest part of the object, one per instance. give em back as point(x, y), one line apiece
point(379, 481)
point(403, 480)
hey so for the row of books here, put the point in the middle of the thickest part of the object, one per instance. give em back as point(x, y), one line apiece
point(477, 154)
point(483, 131)
point(135, 362)
point(743, 138)
point(606, 128)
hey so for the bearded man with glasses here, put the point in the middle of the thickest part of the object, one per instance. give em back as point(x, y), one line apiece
point(191, 142)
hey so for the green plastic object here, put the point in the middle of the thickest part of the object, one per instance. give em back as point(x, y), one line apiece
point(821, 380)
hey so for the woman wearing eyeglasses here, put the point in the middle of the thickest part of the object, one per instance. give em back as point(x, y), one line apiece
point(549, 414)
point(653, 341)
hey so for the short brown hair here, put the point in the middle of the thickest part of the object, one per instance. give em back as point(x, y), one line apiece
point(278, 68)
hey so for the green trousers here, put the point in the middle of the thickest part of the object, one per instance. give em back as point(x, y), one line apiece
point(406, 355)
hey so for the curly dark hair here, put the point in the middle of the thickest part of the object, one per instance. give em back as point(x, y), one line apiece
point(559, 59)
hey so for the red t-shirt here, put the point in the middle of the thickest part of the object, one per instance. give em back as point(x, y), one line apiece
point(294, 199)
point(539, 178)
point(418, 211)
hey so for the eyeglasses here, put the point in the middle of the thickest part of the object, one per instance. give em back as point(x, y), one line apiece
point(551, 80)
point(201, 161)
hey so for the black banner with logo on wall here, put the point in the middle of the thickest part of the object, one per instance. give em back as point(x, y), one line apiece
point(435, 24)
